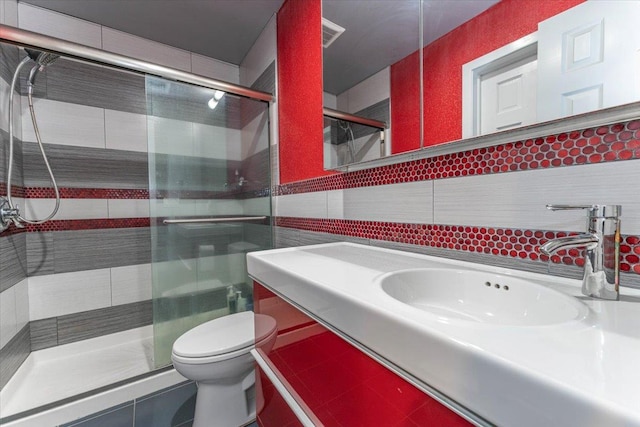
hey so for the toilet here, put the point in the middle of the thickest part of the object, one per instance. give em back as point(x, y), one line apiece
point(216, 355)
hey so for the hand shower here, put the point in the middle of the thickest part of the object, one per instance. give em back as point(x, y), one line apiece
point(8, 211)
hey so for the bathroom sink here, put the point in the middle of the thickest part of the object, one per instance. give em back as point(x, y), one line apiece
point(481, 297)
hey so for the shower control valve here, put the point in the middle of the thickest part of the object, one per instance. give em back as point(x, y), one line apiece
point(8, 215)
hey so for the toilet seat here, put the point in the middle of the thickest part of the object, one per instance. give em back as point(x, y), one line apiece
point(223, 338)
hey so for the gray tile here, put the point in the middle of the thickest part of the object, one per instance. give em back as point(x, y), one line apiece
point(259, 234)
point(13, 259)
point(378, 111)
point(40, 254)
point(8, 61)
point(286, 237)
point(266, 82)
point(117, 416)
point(94, 323)
point(44, 333)
point(170, 408)
point(87, 84)
point(314, 238)
point(92, 249)
point(17, 174)
point(13, 354)
point(85, 167)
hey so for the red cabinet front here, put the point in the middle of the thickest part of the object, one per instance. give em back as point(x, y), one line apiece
point(338, 383)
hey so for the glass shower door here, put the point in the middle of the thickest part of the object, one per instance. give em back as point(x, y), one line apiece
point(209, 186)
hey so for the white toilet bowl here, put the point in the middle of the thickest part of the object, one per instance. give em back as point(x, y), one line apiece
point(216, 355)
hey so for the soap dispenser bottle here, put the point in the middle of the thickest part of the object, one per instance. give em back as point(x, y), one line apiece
point(232, 299)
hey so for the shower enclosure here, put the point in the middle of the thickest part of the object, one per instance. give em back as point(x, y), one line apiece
point(209, 187)
point(165, 186)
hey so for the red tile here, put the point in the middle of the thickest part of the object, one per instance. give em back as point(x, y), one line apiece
point(432, 413)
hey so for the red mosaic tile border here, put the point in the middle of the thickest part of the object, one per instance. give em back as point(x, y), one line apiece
point(15, 191)
point(87, 224)
point(513, 243)
point(85, 193)
point(610, 143)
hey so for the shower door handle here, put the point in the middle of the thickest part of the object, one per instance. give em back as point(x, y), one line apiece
point(213, 220)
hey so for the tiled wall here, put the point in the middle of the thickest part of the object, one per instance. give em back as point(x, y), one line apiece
point(89, 268)
point(485, 205)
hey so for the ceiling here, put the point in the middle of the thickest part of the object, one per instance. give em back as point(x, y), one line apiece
point(379, 32)
point(221, 29)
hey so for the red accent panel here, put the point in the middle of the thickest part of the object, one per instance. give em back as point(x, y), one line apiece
point(501, 24)
point(342, 386)
point(88, 224)
point(300, 90)
point(405, 104)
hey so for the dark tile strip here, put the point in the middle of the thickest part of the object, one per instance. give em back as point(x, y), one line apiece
point(94, 323)
point(44, 333)
point(13, 354)
point(8, 61)
point(13, 259)
point(266, 82)
point(87, 84)
point(83, 167)
point(65, 251)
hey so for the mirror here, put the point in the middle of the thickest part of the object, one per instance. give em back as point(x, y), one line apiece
point(362, 39)
point(494, 65)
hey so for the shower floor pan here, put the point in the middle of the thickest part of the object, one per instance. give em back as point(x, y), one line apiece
point(66, 382)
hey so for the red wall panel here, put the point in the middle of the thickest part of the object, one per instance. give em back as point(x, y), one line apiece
point(300, 90)
point(405, 104)
point(501, 24)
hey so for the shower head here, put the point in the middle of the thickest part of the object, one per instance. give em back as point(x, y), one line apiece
point(42, 60)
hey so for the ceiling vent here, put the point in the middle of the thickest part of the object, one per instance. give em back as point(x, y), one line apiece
point(330, 32)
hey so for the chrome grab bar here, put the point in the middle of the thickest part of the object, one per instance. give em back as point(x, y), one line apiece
point(339, 115)
point(213, 220)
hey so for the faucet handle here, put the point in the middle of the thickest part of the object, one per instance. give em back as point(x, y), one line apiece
point(595, 211)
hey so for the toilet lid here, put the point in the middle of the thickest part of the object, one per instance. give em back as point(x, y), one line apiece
point(224, 335)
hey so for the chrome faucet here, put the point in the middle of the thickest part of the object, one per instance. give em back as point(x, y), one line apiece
point(601, 243)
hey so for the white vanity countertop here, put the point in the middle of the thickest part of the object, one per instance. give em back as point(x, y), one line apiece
point(577, 373)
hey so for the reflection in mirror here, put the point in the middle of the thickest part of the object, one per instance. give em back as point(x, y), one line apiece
point(357, 67)
point(514, 66)
point(349, 140)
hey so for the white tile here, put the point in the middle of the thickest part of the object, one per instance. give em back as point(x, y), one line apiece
point(172, 208)
point(219, 207)
point(125, 131)
point(257, 206)
point(305, 205)
point(22, 304)
point(518, 199)
point(69, 208)
point(177, 277)
point(8, 326)
point(130, 284)
point(329, 100)
point(55, 24)
point(366, 93)
point(215, 69)
point(64, 123)
point(65, 293)
point(137, 47)
point(4, 110)
point(2, 13)
point(216, 142)
point(169, 136)
point(262, 53)
point(11, 12)
point(335, 204)
point(128, 208)
point(403, 203)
